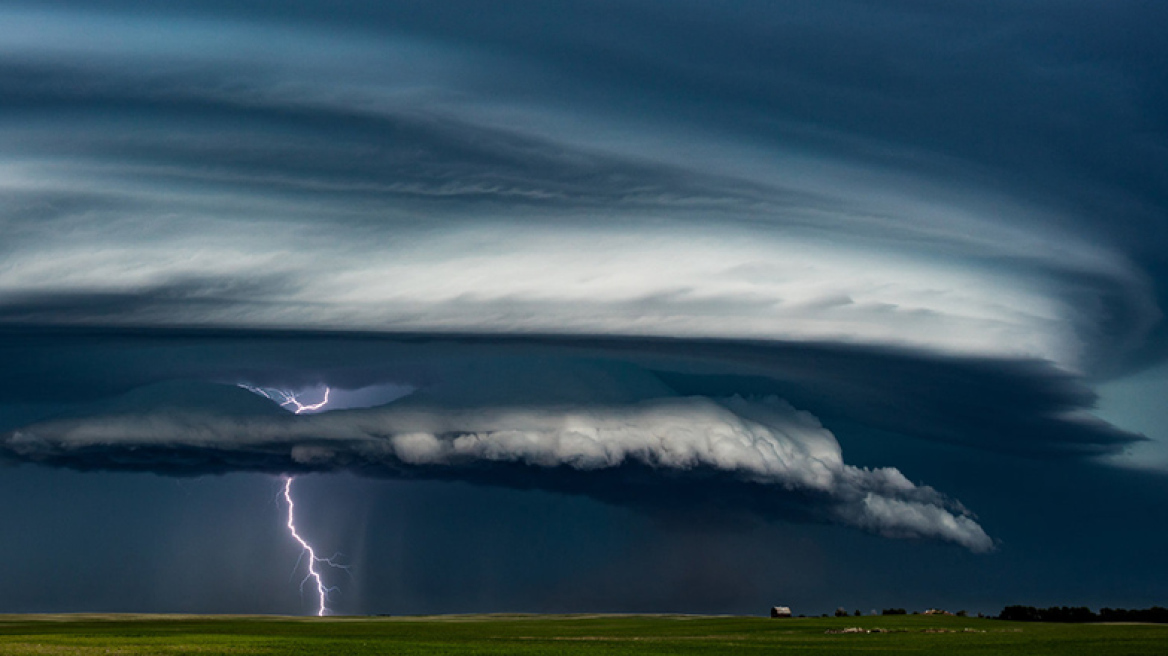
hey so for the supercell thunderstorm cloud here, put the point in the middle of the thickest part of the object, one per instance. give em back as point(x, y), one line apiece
point(830, 278)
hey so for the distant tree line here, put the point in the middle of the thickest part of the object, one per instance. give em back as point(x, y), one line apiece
point(1083, 614)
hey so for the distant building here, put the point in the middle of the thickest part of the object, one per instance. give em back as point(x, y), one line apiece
point(780, 611)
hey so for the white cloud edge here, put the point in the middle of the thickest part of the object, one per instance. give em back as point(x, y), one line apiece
point(767, 442)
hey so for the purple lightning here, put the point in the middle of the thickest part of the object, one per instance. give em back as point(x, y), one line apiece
point(286, 399)
point(291, 401)
point(322, 590)
point(300, 407)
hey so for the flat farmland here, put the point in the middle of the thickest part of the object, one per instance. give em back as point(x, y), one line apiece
point(564, 634)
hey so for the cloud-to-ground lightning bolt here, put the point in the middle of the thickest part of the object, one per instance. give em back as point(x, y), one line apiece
point(322, 590)
point(290, 401)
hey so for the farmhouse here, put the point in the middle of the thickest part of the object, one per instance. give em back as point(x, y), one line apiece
point(780, 611)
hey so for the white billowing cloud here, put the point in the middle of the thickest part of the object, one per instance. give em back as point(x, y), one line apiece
point(784, 451)
point(510, 277)
point(901, 518)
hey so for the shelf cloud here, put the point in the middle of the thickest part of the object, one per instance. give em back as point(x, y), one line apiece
point(765, 446)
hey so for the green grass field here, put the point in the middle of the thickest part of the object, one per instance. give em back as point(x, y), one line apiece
point(563, 634)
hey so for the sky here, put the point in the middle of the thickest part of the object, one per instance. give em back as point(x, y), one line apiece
point(621, 306)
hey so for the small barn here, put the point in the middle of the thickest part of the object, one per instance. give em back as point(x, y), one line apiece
point(780, 611)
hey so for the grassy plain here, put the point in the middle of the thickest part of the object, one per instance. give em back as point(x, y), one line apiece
point(611, 635)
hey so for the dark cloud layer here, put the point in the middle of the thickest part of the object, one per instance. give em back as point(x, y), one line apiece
point(970, 79)
point(191, 129)
point(1021, 407)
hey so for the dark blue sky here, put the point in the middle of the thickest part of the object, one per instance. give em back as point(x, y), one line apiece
point(643, 306)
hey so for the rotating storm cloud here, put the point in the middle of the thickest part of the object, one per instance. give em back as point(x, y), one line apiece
point(746, 259)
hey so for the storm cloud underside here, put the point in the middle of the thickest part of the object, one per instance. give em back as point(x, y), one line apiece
point(554, 413)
